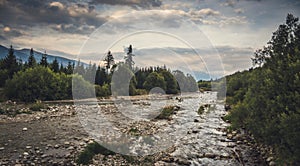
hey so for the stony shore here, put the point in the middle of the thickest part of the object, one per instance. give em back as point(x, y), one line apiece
point(55, 136)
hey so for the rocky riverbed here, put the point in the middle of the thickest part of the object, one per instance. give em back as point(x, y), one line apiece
point(57, 134)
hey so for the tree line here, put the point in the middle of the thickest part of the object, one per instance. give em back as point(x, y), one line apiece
point(265, 99)
point(42, 80)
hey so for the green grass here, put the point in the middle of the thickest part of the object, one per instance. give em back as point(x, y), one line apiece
point(167, 112)
point(37, 106)
point(201, 110)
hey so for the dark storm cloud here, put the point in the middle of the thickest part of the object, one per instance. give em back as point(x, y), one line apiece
point(131, 3)
point(29, 13)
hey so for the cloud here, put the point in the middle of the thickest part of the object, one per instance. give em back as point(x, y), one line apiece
point(230, 3)
point(239, 11)
point(9, 32)
point(208, 12)
point(132, 3)
point(57, 4)
point(25, 15)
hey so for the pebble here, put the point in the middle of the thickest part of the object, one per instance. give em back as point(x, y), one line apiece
point(272, 163)
point(67, 143)
point(2, 148)
point(56, 146)
point(44, 156)
point(28, 147)
point(24, 129)
point(269, 159)
point(25, 153)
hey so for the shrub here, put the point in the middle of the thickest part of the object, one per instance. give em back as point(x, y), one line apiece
point(167, 112)
point(39, 83)
point(37, 106)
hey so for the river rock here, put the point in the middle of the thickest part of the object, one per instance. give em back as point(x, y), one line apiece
point(24, 129)
point(210, 155)
point(269, 159)
point(183, 162)
point(195, 131)
point(2, 148)
point(272, 163)
point(66, 143)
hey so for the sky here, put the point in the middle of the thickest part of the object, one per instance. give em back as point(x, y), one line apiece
point(208, 37)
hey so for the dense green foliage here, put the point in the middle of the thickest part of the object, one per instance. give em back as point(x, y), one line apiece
point(167, 111)
point(204, 85)
point(38, 83)
point(32, 80)
point(155, 80)
point(265, 100)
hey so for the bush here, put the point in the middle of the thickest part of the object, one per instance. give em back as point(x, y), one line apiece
point(167, 112)
point(38, 83)
point(37, 106)
point(201, 110)
point(102, 91)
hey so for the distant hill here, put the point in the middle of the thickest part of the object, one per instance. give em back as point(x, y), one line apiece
point(23, 55)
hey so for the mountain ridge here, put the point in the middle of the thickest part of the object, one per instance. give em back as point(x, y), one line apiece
point(24, 53)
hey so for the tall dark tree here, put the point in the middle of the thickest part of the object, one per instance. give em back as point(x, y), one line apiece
point(101, 76)
point(129, 58)
point(109, 60)
point(31, 59)
point(69, 68)
point(55, 66)
point(10, 63)
point(44, 61)
point(79, 69)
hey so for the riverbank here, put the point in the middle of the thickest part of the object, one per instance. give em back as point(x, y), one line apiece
point(55, 136)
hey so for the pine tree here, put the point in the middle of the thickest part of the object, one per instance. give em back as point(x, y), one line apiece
point(44, 61)
point(128, 58)
point(109, 60)
point(55, 66)
point(10, 63)
point(31, 59)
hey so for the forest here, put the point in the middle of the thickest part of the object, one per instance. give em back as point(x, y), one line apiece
point(33, 81)
point(264, 100)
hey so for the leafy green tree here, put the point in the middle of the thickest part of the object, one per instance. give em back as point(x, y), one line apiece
point(123, 82)
point(154, 80)
point(37, 83)
point(171, 83)
point(265, 99)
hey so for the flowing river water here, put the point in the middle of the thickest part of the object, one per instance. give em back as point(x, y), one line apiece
point(196, 139)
